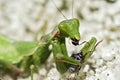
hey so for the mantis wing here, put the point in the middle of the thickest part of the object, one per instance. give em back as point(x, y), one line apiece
point(13, 52)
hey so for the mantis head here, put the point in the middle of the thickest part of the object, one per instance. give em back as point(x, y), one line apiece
point(70, 28)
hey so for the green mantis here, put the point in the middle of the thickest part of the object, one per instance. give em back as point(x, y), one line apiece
point(16, 57)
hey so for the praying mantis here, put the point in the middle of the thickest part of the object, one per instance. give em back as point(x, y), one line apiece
point(16, 57)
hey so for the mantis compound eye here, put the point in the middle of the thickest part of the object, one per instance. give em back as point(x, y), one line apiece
point(79, 57)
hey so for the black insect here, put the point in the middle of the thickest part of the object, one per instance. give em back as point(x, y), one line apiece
point(79, 57)
point(75, 42)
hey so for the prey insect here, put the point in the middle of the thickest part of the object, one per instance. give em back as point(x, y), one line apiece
point(84, 54)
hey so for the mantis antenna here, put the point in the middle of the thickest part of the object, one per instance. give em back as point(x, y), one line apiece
point(72, 7)
point(59, 9)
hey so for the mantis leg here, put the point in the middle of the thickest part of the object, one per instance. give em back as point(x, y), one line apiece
point(60, 54)
point(89, 48)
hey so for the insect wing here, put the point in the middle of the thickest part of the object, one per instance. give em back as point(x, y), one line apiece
point(13, 52)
